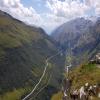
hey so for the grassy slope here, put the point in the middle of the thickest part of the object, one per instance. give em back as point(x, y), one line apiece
point(15, 94)
point(85, 73)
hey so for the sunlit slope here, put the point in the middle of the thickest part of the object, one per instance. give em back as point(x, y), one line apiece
point(86, 73)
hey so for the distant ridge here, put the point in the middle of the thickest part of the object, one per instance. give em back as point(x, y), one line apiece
point(83, 36)
point(23, 51)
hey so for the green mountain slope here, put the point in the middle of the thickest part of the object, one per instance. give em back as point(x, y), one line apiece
point(23, 51)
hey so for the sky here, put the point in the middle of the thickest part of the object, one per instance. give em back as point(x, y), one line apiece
point(49, 14)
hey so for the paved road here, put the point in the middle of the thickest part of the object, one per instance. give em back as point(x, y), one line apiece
point(46, 66)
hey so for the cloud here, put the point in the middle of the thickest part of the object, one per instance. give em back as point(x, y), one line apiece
point(67, 8)
point(29, 15)
point(52, 21)
point(19, 11)
point(71, 9)
point(96, 5)
point(55, 12)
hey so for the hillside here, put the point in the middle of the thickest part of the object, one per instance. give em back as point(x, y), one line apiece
point(23, 51)
point(86, 73)
point(82, 36)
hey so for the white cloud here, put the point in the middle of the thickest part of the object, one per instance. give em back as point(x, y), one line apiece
point(52, 21)
point(97, 7)
point(16, 9)
point(70, 9)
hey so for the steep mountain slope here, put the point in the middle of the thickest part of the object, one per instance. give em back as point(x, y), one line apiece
point(23, 51)
point(80, 35)
point(71, 30)
point(86, 73)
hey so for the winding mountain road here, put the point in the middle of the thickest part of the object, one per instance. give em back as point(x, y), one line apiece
point(46, 66)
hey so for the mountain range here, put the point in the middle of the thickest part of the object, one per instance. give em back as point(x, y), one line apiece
point(80, 36)
point(23, 53)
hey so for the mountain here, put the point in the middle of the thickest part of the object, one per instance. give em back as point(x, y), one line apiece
point(81, 36)
point(23, 52)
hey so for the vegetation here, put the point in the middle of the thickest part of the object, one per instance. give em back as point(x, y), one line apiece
point(88, 73)
point(23, 51)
